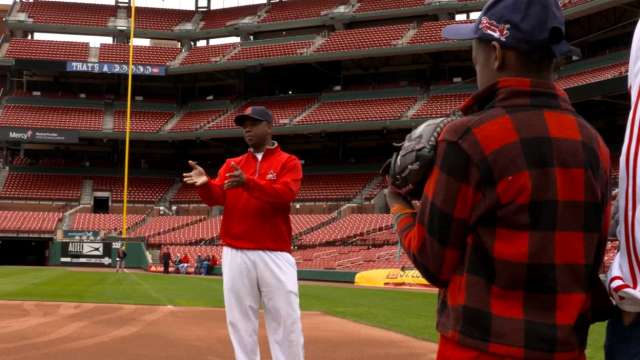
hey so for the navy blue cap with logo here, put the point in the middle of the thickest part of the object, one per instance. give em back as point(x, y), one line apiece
point(523, 25)
point(259, 113)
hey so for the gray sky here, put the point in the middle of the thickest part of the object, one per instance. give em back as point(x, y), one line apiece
point(173, 4)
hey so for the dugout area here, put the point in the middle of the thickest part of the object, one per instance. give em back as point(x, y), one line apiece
point(24, 251)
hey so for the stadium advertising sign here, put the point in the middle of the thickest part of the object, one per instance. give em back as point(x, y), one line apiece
point(110, 68)
point(86, 253)
point(38, 135)
point(391, 278)
point(79, 235)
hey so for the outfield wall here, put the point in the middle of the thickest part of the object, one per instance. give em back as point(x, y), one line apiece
point(315, 275)
point(136, 255)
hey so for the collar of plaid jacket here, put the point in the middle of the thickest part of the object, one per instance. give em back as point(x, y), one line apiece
point(516, 92)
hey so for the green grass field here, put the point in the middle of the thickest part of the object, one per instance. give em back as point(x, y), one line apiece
point(407, 312)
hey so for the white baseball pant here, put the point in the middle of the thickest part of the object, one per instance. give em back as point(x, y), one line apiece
point(252, 277)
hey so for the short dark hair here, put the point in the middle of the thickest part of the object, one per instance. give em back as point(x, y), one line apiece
point(542, 59)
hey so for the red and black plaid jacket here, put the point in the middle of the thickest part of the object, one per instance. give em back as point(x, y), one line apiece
point(513, 222)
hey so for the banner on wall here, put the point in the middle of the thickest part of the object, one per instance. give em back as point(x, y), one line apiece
point(111, 68)
point(392, 278)
point(32, 135)
point(82, 235)
point(86, 253)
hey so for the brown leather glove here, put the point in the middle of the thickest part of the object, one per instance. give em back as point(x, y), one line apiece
point(410, 167)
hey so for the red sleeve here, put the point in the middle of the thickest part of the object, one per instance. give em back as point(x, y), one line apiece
point(435, 237)
point(284, 189)
point(212, 192)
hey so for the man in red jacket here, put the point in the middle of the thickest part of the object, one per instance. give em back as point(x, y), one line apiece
point(256, 190)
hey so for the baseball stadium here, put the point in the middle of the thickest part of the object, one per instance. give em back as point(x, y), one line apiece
point(103, 105)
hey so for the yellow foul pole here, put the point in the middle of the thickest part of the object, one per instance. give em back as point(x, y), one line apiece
point(128, 125)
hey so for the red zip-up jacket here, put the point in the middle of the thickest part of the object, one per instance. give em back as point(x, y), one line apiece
point(256, 215)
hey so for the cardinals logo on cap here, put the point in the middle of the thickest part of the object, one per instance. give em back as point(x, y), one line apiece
point(499, 31)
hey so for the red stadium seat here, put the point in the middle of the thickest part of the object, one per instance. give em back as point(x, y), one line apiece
point(218, 18)
point(203, 231)
point(106, 222)
point(152, 55)
point(284, 111)
point(299, 9)
point(351, 258)
point(365, 38)
point(594, 75)
point(186, 194)
point(29, 221)
point(380, 5)
point(207, 54)
point(358, 110)
point(68, 13)
point(440, 105)
point(195, 120)
point(163, 224)
point(322, 188)
point(142, 121)
point(48, 50)
point(347, 228)
point(28, 186)
point(301, 223)
point(161, 19)
point(255, 52)
point(52, 117)
point(141, 190)
point(373, 192)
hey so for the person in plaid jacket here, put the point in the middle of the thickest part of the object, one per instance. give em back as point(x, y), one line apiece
point(513, 221)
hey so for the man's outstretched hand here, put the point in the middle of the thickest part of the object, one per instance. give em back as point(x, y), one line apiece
point(196, 177)
point(235, 179)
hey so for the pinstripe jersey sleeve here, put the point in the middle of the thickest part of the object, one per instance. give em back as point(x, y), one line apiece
point(624, 274)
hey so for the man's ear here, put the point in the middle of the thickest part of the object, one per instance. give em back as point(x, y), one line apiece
point(497, 60)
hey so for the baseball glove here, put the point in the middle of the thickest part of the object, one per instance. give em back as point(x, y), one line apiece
point(409, 168)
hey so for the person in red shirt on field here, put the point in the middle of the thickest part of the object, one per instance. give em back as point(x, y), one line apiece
point(256, 190)
point(184, 264)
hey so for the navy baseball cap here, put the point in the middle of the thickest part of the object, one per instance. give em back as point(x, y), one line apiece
point(259, 113)
point(524, 25)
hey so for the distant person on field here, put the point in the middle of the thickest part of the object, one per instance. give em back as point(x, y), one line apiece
point(176, 263)
point(166, 261)
point(205, 265)
point(184, 263)
point(198, 268)
point(121, 254)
